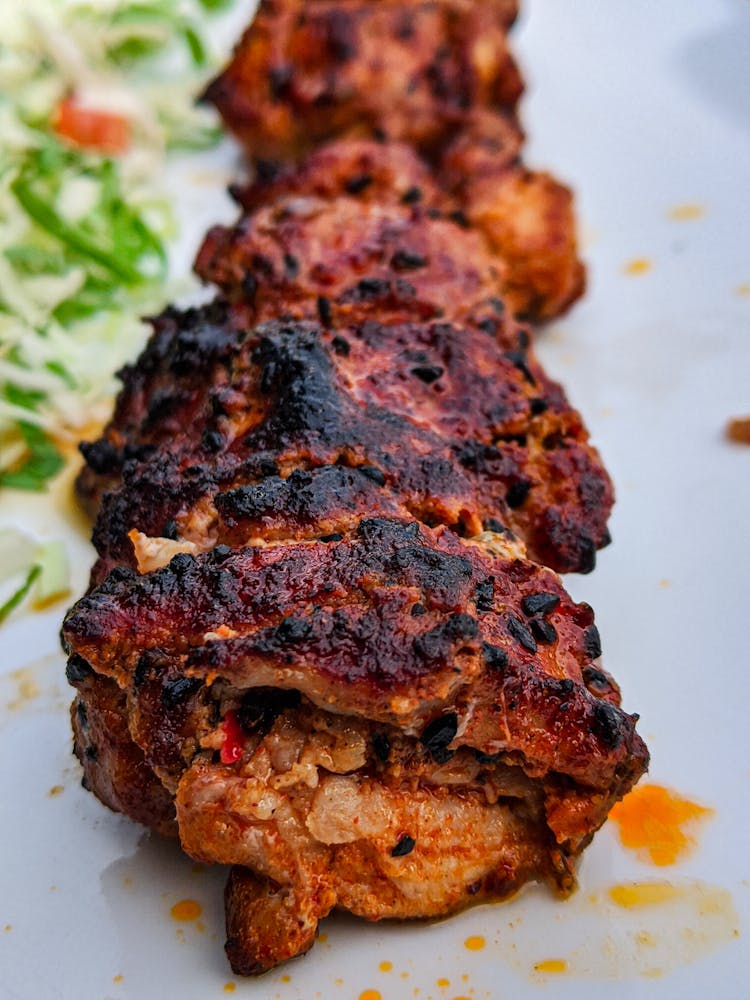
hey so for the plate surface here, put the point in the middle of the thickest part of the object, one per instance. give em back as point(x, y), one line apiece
point(641, 107)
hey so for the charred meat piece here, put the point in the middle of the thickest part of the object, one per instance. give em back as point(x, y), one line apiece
point(434, 419)
point(526, 217)
point(401, 684)
point(307, 72)
point(341, 260)
point(336, 208)
point(382, 173)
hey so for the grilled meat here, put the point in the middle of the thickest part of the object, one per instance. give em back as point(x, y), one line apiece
point(314, 647)
point(305, 72)
point(436, 76)
point(338, 740)
point(456, 430)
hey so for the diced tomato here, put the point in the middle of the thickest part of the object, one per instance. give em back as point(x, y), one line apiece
point(234, 739)
point(101, 131)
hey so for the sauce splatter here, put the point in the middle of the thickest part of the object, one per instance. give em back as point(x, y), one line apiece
point(230, 987)
point(651, 821)
point(475, 943)
point(637, 266)
point(385, 966)
point(186, 909)
point(369, 995)
point(286, 979)
point(26, 688)
point(635, 894)
point(55, 790)
point(743, 288)
point(443, 983)
point(551, 965)
point(118, 978)
point(738, 430)
point(686, 212)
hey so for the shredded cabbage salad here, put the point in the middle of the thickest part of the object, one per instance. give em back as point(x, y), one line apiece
point(93, 97)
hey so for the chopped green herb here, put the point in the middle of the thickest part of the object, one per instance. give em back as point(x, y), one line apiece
point(16, 598)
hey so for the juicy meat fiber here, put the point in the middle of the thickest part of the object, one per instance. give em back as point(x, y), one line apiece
point(418, 727)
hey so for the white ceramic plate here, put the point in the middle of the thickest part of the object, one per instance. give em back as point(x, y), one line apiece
point(643, 107)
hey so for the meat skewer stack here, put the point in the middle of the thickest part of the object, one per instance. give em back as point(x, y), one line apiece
point(321, 643)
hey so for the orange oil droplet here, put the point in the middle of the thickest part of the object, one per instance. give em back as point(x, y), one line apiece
point(385, 966)
point(475, 943)
point(369, 995)
point(686, 212)
point(230, 987)
point(651, 821)
point(632, 895)
point(8, 927)
point(443, 983)
point(118, 978)
point(186, 909)
point(743, 288)
point(551, 965)
point(286, 978)
point(637, 266)
point(55, 790)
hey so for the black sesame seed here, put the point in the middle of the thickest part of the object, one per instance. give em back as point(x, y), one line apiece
point(279, 79)
point(372, 287)
point(460, 219)
point(175, 692)
point(540, 604)
point(592, 642)
point(596, 679)
point(406, 260)
point(498, 305)
point(335, 536)
point(372, 473)
point(324, 310)
point(403, 847)
point(341, 346)
point(607, 724)
point(428, 373)
point(488, 325)
point(412, 195)
point(538, 407)
point(77, 670)
point(291, 265)
point(212, 440)
point(83, 715)
point(521, 633)
point(438, 734)
point(518, 360)
point(517, 493)
point(91, 752)
point(543, 631)
point(492, 524)
point(494, 657)
point(381, 746)
point(356, 185)
point(418, 609)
